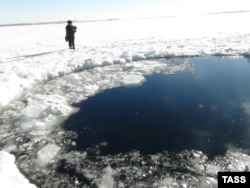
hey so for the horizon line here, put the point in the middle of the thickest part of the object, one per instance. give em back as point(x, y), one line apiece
point(116, 19)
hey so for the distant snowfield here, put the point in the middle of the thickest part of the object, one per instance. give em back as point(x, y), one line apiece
point(40, 78)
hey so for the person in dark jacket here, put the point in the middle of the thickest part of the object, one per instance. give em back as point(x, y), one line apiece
point(70, 34)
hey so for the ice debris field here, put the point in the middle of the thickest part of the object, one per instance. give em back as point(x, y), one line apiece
point(40, 78)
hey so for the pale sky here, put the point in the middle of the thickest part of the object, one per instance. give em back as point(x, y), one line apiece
point(22, 11)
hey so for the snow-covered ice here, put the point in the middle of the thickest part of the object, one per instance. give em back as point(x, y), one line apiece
point(27, 57)
point(132, 80)
point(10, 176)
point(46, 154)
point(40, 78)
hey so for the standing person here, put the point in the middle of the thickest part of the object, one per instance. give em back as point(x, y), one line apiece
point(70, 34)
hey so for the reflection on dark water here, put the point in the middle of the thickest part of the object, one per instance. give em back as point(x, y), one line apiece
point(206, 110)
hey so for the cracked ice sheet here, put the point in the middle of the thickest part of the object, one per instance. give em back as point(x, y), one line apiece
point(25, 70)
point(43, 137)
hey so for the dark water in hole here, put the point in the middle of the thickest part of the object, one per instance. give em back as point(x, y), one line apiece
point(207, 110)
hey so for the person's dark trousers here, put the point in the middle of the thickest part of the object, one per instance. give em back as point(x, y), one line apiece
point(72, 42)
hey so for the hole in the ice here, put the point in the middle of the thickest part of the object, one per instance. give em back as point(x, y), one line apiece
point(206, 110)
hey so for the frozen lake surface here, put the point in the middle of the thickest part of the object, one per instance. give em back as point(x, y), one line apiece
point(185, 118)
point(204, 107)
